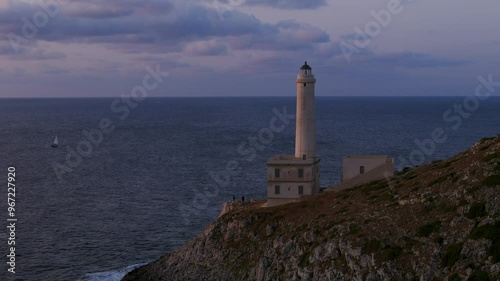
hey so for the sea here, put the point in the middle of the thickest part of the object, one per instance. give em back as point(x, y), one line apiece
point(129, 182)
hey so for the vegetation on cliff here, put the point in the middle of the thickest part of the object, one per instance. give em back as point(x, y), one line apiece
point(436, 222)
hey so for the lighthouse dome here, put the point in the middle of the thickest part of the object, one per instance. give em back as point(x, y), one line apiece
point(305, 72)
point(305, 66)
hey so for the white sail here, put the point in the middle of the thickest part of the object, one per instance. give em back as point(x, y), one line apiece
point(55, 141)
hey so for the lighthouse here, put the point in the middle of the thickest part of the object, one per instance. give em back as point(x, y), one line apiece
point(305, 132)
point(293, 176)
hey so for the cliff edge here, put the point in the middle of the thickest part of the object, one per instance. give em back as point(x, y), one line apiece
point(435, 222)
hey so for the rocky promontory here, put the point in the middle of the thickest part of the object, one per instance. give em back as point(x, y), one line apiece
point(440, 221)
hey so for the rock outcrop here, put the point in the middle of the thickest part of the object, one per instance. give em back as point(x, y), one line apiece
point(436, 222)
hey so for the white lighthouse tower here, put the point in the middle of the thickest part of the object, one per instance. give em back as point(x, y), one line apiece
point(305, 132)
point(289, 177)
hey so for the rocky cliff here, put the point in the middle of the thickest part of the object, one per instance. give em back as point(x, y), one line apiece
point(436, 222)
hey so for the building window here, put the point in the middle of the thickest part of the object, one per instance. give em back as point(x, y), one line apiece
point(301, 173)
point(276, 189)
point(277, 173)
point(305, 83)
point(361, 169)
point(301, 189)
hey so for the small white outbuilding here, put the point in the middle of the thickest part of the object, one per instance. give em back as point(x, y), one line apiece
point(361, 169)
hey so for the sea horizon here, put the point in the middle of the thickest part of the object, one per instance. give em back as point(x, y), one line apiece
point(253, 96)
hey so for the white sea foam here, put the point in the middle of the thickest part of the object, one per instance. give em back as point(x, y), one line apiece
point(115, 275)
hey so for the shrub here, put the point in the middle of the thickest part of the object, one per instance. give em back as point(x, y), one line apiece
point(304, 260)
point(440, 180)
point(426, 229)
point(479, 275)
point(477, 210)
point(491, 156)
point(320, 216)
point(374, 186)
point(402, 172)
point(343, 210)
point(302, 227)
point(409, 243)
point(491, 232)
point(344, 196)
point(390, 253)
point(439, 240)
point(354, 229)
point(488, 231)
point(454, 277)
point(492, 180)
point(473, 189)
point(462, 202)
point(410, 176)
point(448, 208)
point(428, 207)
point(485, 147)
point(452, 255)
point(371, 246)
point(486, 139)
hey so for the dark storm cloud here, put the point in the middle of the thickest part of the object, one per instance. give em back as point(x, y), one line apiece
point(138, 26)
point(191, 22)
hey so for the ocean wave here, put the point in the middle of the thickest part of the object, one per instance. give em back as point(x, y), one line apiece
point(115, 275)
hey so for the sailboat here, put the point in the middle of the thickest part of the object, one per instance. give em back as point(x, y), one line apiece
point(56, 143)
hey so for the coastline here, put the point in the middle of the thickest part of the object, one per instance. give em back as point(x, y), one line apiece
point(408, 226)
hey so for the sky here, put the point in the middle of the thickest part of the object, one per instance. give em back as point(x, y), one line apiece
point(103, 48)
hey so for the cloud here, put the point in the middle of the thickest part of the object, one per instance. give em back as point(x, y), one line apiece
point(279, 4)
point(111, 22)
point(408, 60)
point(39, 54)
point(282, 36)
point(29, 53)
point(107, 9)
point(205, 48)
point(98, 13)
point(352, 37)
point(303, 32)
point(134, 26)
point(53, 70)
